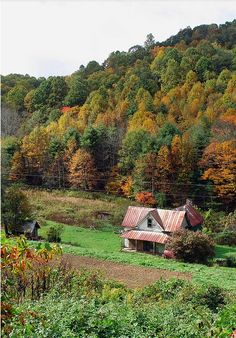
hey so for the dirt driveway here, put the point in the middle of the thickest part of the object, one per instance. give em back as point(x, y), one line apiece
point(132, 276)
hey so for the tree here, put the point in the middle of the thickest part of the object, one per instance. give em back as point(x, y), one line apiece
point(10, 121)
point(15, 97)
point(203, 65)
point(164, 171)
point(78, 92)
point(144, 173)
point(50, 93)
point(166, 134)
point(31, 160)
point(192, 247)
point(15, 210)
point(150, 41)
point(134, 144)
point(146, 198)
point(219, 162)
point(83, 173)
point(171, 76)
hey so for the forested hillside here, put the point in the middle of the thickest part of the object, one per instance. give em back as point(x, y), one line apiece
point(156, 123)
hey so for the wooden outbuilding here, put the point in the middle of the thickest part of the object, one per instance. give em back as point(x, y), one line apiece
point(30, 229)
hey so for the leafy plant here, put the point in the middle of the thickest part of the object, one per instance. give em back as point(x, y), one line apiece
point(54, 233)
point(191, 246)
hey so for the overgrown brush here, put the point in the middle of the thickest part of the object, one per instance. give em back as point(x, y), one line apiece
point(55, 301)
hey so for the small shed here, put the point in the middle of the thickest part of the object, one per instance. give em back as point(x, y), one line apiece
point(30, 229)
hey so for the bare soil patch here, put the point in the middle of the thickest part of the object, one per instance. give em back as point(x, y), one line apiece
point(132, 276)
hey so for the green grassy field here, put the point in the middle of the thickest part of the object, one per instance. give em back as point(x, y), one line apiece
point(107, 245)
point(92, 239)
point(86, 234)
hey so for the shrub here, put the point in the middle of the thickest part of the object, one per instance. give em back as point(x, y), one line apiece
point(226, 237)
point(191, 246)
point(54, 233)
point(213, 297)
point(231, 261)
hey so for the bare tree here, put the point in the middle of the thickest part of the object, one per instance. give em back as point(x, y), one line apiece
point(10, 121)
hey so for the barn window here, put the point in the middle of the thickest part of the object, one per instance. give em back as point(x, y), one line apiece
point(149, 222)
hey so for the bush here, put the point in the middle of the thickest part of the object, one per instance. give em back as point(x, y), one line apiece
point(231, 261)
point(54, 233)
point(213, 297)
point(226, 237)
point(191, 246)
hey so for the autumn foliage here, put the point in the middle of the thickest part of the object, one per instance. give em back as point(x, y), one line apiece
point(162, 114)
point(82, 171)
point(146, 198)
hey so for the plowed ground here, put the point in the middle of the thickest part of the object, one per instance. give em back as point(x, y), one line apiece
point(132, 276)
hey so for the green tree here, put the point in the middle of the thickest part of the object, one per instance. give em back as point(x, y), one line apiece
point(150, 41)
point(134, 144)
point(78, 92)
point(15, 210)
point(15, 97)
point(171, 76)
point(166, 134)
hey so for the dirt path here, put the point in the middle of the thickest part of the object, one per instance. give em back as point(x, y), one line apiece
point(132, 276)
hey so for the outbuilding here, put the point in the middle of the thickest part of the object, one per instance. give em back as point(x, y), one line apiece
point(30, 229)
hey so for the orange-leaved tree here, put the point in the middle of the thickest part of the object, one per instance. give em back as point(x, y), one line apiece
point(146, 198)
point(219, 162)
point(83, 173)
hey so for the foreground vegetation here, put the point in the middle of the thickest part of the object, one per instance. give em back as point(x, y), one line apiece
point(41, 300)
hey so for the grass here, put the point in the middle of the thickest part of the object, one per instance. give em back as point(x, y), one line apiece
point(95, 237)
point(222, 251)
point(78, 208)
point(101, 241)
point(106, 245)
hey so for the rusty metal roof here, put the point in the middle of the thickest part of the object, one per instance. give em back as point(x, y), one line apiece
point(171, 219)
point(149, 236)
point(193, 216)
point(134, 215)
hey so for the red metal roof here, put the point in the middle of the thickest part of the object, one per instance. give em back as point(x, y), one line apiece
point(193, 216)
point(171, 219)
point(148, 236)
point(134, 215)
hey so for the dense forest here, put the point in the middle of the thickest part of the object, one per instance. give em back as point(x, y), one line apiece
point(155, 123)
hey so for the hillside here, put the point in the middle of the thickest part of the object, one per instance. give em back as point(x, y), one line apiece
point(158, 119)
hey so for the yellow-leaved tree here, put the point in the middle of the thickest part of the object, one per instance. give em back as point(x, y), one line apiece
point(83, 173)
point(219, 162)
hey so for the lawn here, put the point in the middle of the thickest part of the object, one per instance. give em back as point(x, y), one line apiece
point(106, 245)
point(92, 239)
point(222, 251)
